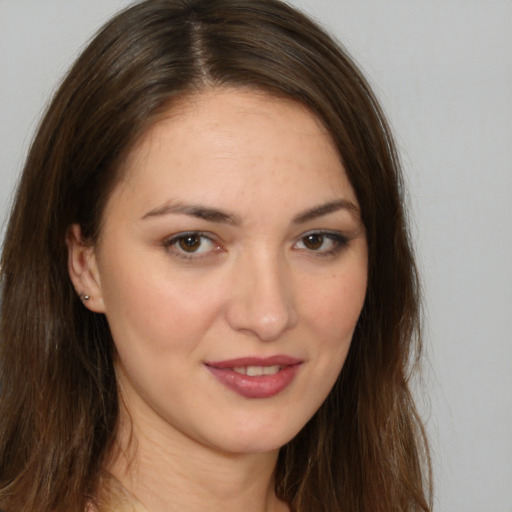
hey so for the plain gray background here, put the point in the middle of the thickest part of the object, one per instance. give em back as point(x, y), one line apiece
point(443, 71)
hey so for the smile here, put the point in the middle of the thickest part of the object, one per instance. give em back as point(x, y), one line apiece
point(255, 371)
point(256, 377)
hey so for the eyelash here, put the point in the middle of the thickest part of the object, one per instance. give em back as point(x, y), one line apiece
point(338, 240)
point(172, 244)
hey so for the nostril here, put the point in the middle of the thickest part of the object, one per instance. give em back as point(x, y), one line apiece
point(262, 298)
point(262, 316)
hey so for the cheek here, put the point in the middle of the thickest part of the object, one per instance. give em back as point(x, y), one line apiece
point(337, 302)
point(330, 311)
point(332, 315)
point(156, 312)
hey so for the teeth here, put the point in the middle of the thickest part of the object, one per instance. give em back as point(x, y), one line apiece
point(270, 370)
point(254, 371)
point(257, 371)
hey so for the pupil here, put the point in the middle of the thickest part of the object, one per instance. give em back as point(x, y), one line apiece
point(313, 241)
point(190, 243)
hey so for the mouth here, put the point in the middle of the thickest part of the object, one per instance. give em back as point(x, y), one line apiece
point(257, 371)
point(256, 377)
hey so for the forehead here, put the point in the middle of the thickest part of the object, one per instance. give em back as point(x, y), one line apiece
point(234, 113)
point(228, 144)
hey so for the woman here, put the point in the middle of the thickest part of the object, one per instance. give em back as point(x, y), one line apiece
point(209, 300)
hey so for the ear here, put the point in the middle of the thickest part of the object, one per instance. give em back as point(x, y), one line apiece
point(83, 270)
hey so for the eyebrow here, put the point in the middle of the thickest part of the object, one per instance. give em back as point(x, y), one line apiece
point(325, 209)
point(198, 211)
point(215, 215)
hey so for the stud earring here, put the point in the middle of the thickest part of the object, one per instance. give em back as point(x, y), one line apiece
point(85, 297)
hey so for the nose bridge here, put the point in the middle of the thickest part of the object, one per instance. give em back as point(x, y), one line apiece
point(262, 303)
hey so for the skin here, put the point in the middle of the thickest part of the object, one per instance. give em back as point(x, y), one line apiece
point(261, 279)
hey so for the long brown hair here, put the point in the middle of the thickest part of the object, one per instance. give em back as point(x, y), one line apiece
point(365, 449)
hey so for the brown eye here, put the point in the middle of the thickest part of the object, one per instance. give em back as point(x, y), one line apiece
point(321, 243)
point(313, 241)
point(190, 243)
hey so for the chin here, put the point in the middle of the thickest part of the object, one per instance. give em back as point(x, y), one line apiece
point(261, 438)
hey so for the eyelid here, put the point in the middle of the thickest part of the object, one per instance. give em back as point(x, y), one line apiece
point(170, 244)
point(339, 240)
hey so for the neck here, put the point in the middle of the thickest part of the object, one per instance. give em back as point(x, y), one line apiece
point(162, 470)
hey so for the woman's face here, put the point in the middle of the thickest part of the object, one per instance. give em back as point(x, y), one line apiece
point(232, 268)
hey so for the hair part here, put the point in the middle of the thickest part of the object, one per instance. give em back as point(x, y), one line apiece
point(365, 449)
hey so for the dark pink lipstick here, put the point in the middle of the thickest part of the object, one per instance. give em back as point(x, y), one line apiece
point(256, 377)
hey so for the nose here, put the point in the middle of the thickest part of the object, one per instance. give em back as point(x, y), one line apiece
point(262, 302)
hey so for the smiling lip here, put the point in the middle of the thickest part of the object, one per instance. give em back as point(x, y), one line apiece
point(256, 386)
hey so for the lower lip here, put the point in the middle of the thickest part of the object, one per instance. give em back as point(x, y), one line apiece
point(261, 386)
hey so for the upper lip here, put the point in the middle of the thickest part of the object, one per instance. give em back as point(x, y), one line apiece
point(277, 360)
